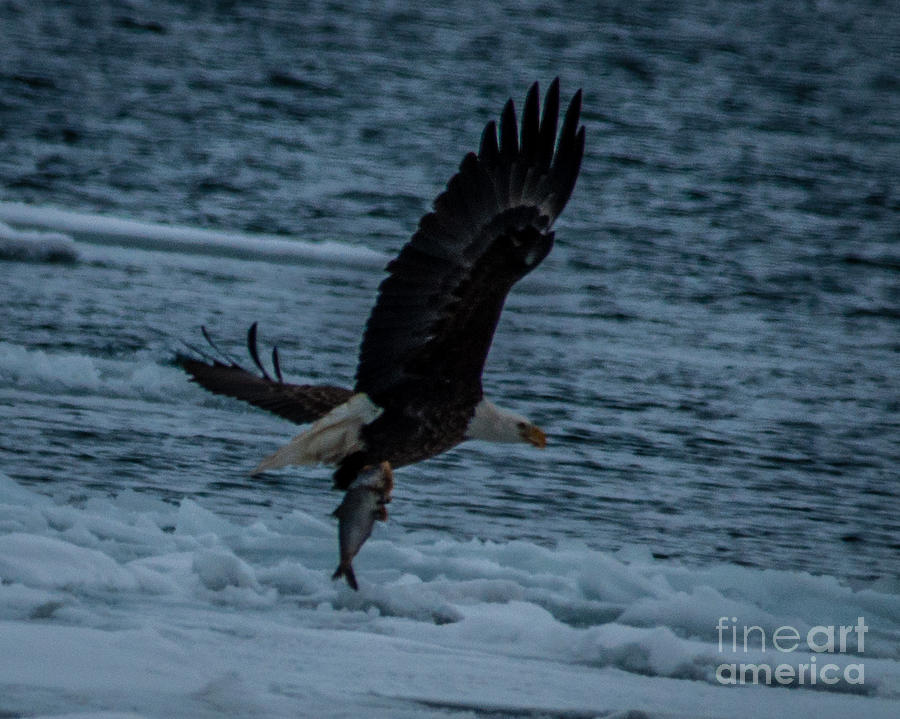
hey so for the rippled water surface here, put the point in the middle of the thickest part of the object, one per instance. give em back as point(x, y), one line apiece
point(712, 347)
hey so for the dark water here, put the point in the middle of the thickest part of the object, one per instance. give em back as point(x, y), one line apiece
point(713, 346)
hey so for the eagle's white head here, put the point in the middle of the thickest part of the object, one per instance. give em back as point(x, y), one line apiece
point(495, 424)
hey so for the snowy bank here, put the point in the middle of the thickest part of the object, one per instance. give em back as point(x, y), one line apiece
point(133, 604)
point(26, 227)
point(36, 245)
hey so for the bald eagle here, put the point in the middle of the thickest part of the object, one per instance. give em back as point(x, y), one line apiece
point(418, 389)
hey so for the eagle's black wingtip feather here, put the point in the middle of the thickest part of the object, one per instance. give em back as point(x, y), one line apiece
point(254, 350)
point(488, 150)
point(222, 353)
point(181, 357)
point(509, 140)
point(549, 119)
point(277, 364)
point(529, 141)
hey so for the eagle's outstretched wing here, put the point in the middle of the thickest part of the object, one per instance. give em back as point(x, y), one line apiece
point(299, 403)
point(432, 325)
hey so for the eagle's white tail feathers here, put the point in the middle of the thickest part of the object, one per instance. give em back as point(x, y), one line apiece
point(329, 439)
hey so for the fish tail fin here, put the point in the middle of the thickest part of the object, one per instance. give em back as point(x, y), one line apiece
point(346, 571)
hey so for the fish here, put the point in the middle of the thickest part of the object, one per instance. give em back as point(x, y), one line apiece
point(363, 503)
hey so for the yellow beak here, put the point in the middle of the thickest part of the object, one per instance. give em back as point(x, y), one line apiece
point(534, 435)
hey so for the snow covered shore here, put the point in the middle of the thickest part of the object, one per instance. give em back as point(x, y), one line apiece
point(131, 606)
